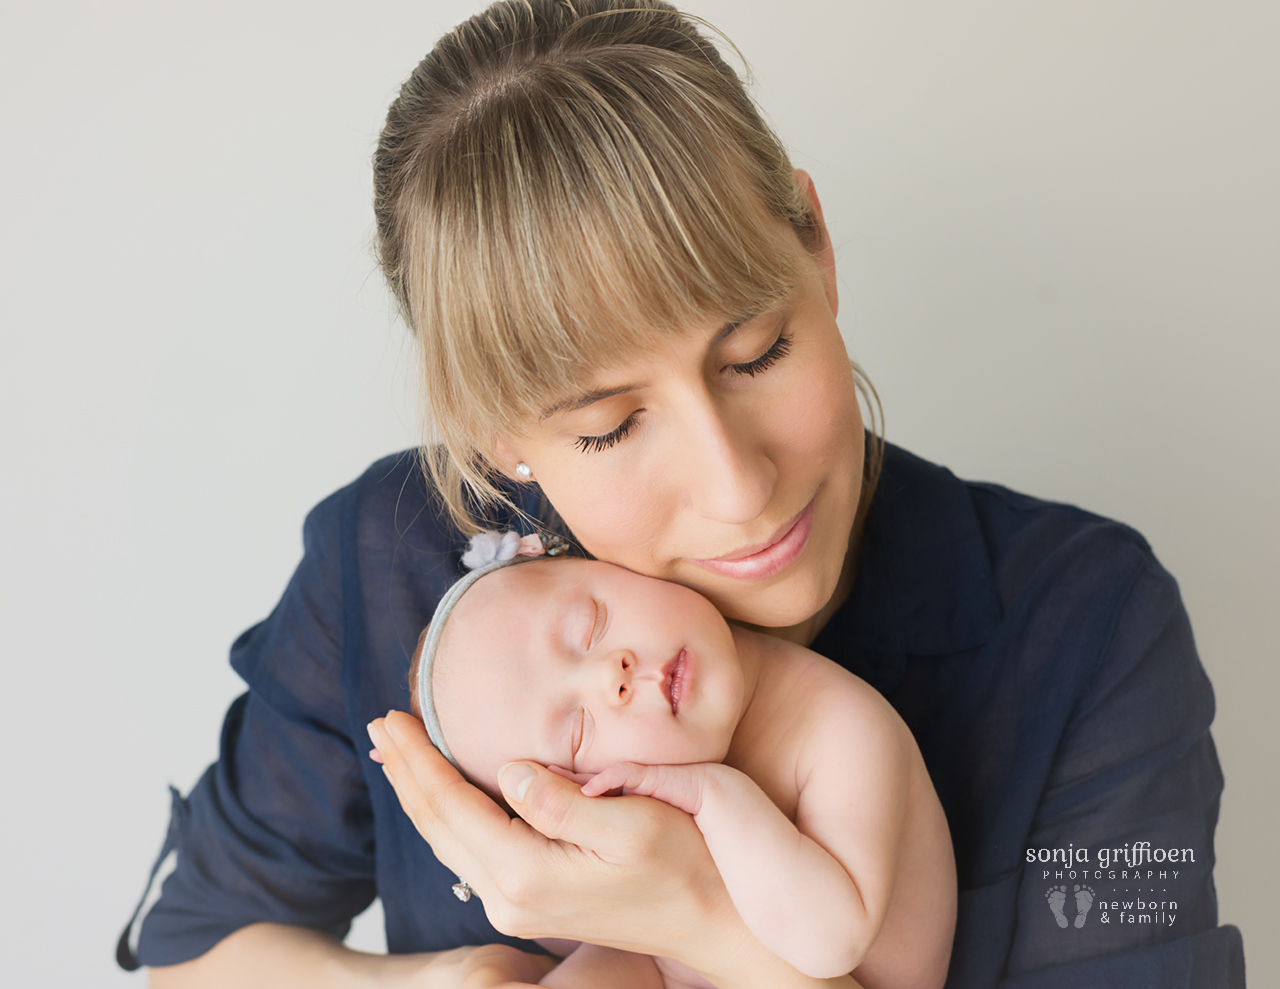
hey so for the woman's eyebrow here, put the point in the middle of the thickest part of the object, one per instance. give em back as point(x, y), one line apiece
point(728, 328)
point(591, 397)
point(582, 401)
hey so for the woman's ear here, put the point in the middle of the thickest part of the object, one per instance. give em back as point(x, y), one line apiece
point(505, 459)
point(826, 257)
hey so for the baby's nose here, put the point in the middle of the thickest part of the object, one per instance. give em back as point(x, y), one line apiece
point(618, 673)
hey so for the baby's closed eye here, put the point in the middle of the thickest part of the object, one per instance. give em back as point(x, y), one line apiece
point(597, 629)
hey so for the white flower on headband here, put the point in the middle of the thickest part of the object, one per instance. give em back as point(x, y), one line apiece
point(487, 548)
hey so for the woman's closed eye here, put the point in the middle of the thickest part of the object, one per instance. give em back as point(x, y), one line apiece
point(594, 444)
point(781, 347)
point(777, 351)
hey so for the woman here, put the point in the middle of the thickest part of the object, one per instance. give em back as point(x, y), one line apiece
point(626, 303)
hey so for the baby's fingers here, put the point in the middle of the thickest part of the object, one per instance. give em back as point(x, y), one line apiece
point(679, 786)
point(570, 775)
point(625, 776)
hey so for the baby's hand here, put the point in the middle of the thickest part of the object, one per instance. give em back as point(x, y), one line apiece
point(679, 786)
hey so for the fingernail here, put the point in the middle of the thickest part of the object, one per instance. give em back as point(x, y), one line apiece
point(376, 756)
point(373, 733)
point(514, 779)
point(386, 725)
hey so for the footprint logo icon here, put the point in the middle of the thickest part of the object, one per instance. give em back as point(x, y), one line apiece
point(1057, 896)
point(1084, 900)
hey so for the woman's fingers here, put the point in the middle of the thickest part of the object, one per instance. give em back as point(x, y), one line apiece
point(441, 804)
point(420, 772)
point(560, 868)
point(432, 772)
point(556, 807)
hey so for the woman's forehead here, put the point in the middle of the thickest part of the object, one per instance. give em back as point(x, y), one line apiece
point(538, 342)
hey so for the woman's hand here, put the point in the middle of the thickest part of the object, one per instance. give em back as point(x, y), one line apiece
point(629, 873)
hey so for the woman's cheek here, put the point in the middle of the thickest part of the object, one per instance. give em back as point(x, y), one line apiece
point(812, 427)
point(617, 519)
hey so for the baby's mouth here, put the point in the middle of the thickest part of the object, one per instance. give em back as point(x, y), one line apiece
point(675, 680)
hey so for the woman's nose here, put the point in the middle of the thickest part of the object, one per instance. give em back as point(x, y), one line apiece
point(728, 473)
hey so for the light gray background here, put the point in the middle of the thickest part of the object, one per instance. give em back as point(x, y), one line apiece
point(1059, 255)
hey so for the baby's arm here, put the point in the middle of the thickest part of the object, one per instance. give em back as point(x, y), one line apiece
point(588, 966)
point(592, 967)
point(816, 894)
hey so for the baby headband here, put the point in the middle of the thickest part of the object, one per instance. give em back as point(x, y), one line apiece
point(486, 552)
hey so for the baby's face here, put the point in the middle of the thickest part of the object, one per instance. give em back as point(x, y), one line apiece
point(582, 664)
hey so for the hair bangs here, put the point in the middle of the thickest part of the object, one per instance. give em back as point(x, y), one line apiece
point(558, 188)
point(572, 220)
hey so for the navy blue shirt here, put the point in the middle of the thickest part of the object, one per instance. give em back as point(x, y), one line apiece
point(1040, 654)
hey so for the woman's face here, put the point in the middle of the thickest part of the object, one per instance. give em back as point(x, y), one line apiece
point(726, 459)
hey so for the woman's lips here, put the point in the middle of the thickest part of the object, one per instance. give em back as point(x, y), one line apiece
point(675, 680)
point(758, 562)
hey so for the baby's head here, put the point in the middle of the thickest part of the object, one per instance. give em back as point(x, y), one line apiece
point(582, 664)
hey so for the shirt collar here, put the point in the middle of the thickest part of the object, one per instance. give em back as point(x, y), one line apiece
point(924, 585)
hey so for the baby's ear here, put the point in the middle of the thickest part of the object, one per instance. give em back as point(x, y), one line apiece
point(414, 663)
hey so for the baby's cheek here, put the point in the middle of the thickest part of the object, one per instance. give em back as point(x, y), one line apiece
point(482, 747)
point(668, 744)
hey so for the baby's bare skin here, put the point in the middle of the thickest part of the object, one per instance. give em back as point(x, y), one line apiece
point(809, 789)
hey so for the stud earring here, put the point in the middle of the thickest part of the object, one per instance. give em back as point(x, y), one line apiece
point(523, 470)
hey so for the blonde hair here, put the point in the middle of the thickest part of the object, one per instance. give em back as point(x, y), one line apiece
point(557, 181)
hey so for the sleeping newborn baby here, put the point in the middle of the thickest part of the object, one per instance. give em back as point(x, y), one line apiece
point(809, 789)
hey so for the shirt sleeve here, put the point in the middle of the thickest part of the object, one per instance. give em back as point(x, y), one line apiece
point(280, 827)
point(1129, 808)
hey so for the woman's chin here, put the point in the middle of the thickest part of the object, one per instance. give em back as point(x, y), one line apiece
point(788, 600)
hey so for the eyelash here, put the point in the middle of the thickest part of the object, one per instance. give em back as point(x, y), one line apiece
point(780, 349)
point(595, 444)
point(602, 616)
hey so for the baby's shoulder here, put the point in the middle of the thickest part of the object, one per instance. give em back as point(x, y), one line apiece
point(828, 708)
point(826, 689)
point(843, 725)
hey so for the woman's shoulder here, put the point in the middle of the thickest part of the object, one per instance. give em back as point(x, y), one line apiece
point(390, 495)
point(1039, 547)
point(393, 504)
point(378, 553)
point(947, 563)
point(1023, 538)
point(388, 536)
